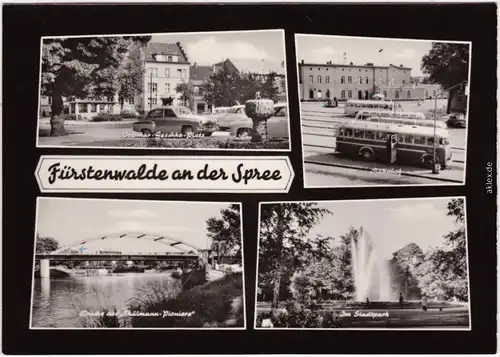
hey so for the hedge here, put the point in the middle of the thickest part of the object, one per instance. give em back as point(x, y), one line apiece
point(213, 143)
point(107, 117)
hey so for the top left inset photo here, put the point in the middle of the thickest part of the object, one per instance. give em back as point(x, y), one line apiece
point(198, 90)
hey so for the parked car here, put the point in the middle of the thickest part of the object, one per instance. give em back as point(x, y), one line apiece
point(175, 119)
point(233, 114)
point(277, 125)
point(456, 121)
point(221, 110)
point(129, 111)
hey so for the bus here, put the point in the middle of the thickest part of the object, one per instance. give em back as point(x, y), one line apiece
point(412, 122)
point(363, 114)
point(352, 107)
point(404, 144)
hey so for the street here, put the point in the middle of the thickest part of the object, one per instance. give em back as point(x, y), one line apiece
point(325, 168)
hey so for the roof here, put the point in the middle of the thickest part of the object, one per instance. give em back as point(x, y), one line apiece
point(396, 128)
point(200, 73)
point(368, 101)
point(173, 49)
point(350, 65)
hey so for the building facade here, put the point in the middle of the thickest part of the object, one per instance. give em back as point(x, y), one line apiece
point(351, 81)
point(166, 65)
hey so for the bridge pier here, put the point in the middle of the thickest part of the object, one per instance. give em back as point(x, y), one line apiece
point(44, 268)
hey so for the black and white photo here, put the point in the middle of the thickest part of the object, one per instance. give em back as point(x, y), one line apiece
point(365, 264)
point(383, 112)
point(200, 90)
point(137, 264)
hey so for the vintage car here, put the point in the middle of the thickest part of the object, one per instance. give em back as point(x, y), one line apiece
point(277, 125)
point(232, 115)
point(175, 119)
point(456, 121)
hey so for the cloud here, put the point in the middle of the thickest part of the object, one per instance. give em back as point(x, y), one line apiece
point(415, 212)
point(323, 54)
point(407, 53)
point(209, 50)
point(135, 213)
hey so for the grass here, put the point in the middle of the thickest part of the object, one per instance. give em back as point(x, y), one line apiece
point(217, 303)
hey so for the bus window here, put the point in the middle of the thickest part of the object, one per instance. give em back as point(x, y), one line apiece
point(443, 141)
point(420, 140)
point(359, 133)
point(369, 135)
point(348, 132)
point(382, 136)
point(409, 139)
point(430, 141)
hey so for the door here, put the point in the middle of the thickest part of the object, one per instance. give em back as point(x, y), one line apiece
point(392, 150)
point(156, 116)
point(170, 122)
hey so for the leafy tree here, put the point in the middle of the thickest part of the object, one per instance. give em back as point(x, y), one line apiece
point(130, 77)
point(227, 88)
point(46, 244)
point(403, 263)
point(225, 232)
point(185, 91)
point(81, 67)
point(284, 241)
point(447, 63)
point(167, 101)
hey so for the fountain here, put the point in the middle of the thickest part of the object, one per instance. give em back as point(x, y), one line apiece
point(372, 278)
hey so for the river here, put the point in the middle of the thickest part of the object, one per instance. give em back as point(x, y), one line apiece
point(60, 303)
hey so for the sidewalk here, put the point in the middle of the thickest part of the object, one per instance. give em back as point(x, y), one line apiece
point(46, 121)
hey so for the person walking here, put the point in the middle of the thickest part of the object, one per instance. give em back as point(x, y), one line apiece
point(401, 299)
point(424, 303)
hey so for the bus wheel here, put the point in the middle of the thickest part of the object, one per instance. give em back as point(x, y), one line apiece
point(428, 162)
point(366, 154)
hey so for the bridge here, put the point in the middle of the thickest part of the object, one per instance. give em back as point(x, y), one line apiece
point(186, 252)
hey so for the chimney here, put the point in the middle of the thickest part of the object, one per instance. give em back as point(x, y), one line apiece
point(302, 61)
point(401, 65)
point(351, 63)
point(369, 64)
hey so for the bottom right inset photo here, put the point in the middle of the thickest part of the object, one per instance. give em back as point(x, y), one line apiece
point(363, 264)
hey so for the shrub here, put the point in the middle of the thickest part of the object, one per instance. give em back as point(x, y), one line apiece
point(107, 319)
point(107, 117)
point(301, 315)
point(212, 303)
point(214, 143)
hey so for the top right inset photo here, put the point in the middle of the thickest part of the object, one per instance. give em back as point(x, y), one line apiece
point(383, 112)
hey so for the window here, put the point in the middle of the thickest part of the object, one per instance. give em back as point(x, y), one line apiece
point(420, 140)
point(153, 101)
point(408, 94)
point(366, 80)
point(349, 94)
point(342, 79)
point(397, 95)
point(382, 136)
point(49, 100)
point(169, 113)
point(318, 79)
point(459, 97)
point(328, 93)
point(93, 108)
point(82, 107)
point(360, 80)
point(280, 112)
point(407, 139)
point(169, 58)
point(370, 135)
point(327, 79)
point(349, 79)
point(102, 107)
point(131, 100)
point(385, 96)
point(167, 72)
point(403, 81)
point(311, 79)
point(153, 72)
point(311, 93)
point(342, 94)
point(348, 132)
point(153, 87)
point(430, 141)
point(167, 88)
point(157, 113)
point(359, 133)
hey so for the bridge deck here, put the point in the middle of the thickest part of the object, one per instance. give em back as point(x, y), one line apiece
point(103, 257)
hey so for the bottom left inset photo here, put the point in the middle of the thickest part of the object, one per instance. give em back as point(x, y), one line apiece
point(102, 263)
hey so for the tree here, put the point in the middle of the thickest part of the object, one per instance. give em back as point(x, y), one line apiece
point(46, 244)
point(225, 232)
point(284, 241)
point(447, 63)
point(81, 67)
point(269, 89)
point(403, 264)
point(130, 77)
point(185, 92)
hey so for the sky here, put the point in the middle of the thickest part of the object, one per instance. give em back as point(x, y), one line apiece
point(392, 224)
point(256, 51)
point(320, 49)
point(74, 220)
